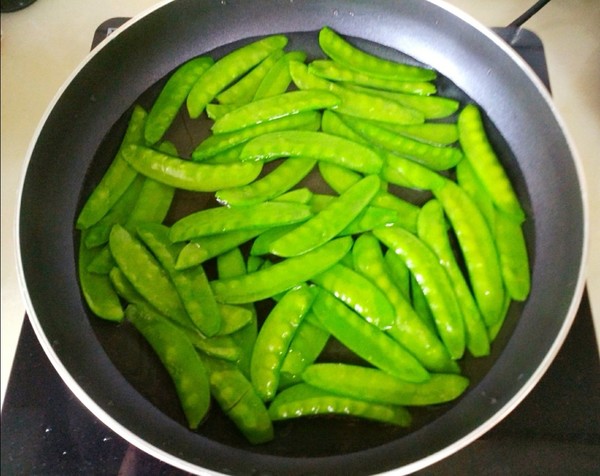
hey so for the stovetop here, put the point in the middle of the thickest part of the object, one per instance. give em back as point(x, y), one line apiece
point(554, 431)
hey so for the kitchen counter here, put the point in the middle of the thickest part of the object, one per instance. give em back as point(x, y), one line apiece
point(43, 44)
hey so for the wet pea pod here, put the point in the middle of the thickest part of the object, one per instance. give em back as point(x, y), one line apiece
point(434, 281)
point(432, 230)
point(470, 183)
point(373, 385)
point(180, 359)
point(243, 91)
point(278, 79)
point(281, 276)
point(398, 273)
point(434, 157)
point(341, 51)
point(407, 328)
point(191, 284)
point(226, 141)
point(329, 222)
point(172, 96)
point(304, 400)
point(274, 107)
point(274, 339)
point(212, 221)
point(228, 69)
point(486, 164)
point(434, 133)
point(478, 249)
point(313, 145)
point(331, 70)
point(366, 340)
point(186, 174)
point(117, 178)
point(420, 304)
point(356, 103)
point(287, 174)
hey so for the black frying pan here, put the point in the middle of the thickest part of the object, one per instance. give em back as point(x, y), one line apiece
point(114, 372)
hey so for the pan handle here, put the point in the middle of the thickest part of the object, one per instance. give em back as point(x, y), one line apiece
point(536, 7)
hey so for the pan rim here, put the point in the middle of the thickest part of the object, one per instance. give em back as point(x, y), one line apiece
point(468, 438)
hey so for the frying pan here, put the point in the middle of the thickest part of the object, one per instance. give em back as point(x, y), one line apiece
point(114, 373)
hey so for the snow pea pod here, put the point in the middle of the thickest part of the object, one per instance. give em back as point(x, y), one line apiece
point(358, 293)
point(365, 340)
point(216, 220)
point(478, 249)
point(97, 290)
point(305, 400)
point(229, 68)
point(398, 273)
point(434, 157)
point(407, 173)
point(334, 71)
point(117, 177)
point(434, 133)
point(434, 281)
point(432, 230)
point(280, 276)
point(215, 111)
point(340, 50)
point(373, 385)
point(274, 339)
point(470, 183)
point(407, 328)
point(181, 361)
point(329, 222)
point(420, 304)
point(188, 175)
point(243, 91)
point(480, 154)
point(370, 218)
point(278, 79)
point(287, 174)
point(315, 145)
point(219, 143)
point(172, 96)
point(274, 107)
point(356, 103)
point(191, 284)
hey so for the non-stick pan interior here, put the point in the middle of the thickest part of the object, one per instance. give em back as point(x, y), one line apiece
point(114, 372)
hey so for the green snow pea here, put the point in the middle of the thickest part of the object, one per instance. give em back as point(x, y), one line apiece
point(315, 145)
point(278, 79)
point(356, 103)
point(304, 400)
point(146, 275)
point(333, 71)
point(215, 111)
point(476, 243)
point(191, 284)
point(470, 183)
point(181, 361)
point(434, 157)
point(280, 276)
point(102, 262)
point(298, 195)
point(434, 133)
point(407, 328)
point(366, 340)
point(211, 221)
point(228, 69)
point(370, 218)
point(329, 222)
point(432, 230)
point(222, 347)
point(358, 293)
point(287, 174)
point(434, 281)
point(274, 339)
point(219, 143)
point(235, 395)
point(407, 173)
point(480, 154)
point(172, 96)
point(420, 304)
point(262, 243)
point(97, 289)
point(398, 273)
point(243, 91)
point(186, 174)
point(274, 107)
point(373, 385)
point(340, 50)
point(117, 177)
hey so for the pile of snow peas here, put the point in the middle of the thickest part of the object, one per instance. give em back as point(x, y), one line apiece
point(408, 289)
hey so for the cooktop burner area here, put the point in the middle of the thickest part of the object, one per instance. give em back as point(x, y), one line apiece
point(555, 430)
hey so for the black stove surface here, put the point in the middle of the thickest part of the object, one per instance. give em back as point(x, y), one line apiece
point(554, 431)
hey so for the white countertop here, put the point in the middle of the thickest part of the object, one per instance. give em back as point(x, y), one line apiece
point(42, 45)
